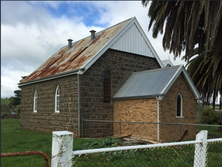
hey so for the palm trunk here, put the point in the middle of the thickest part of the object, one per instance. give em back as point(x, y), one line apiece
point(214, 99)
point(220, 102)
point(220, 97)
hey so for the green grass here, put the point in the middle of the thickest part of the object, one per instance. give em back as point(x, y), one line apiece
point(177, 156)
point(5, 109)
point(5, 101)
point(212, 131)
point(216, 107)
point(14, 139)
point(167, 157)
point(199, 111)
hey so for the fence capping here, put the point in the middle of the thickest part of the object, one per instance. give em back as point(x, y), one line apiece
point(62, 147)
point(201, 149)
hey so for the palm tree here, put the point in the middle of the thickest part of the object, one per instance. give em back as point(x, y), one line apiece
point(186, 25)
point(201, 71)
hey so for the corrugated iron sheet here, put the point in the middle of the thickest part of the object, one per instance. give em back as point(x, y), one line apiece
point(76, 57)
point(133, 41)
point(147, 83)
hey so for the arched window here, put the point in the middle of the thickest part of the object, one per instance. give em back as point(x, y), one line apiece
point(107, 88)
point(57, 99)
point(35, 101)
point(179, 105)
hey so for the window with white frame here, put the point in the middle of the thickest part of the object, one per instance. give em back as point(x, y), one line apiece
point(179, 105)
point(35, 101)
point(57, 100)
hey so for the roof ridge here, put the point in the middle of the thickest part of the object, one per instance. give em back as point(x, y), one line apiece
point(99, 32)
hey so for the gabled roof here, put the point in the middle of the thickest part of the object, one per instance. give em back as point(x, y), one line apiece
point(153, 83)
point(85, 52)
point(167, 63)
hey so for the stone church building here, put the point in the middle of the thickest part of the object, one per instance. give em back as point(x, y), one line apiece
point(104, 77)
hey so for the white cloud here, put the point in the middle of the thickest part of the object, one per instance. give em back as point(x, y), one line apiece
point(31, 34)
point(117, 11)
point(9, 80)
point(26, 44)
point(16, 12)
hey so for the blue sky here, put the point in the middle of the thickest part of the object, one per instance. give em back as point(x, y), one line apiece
point(31, 31)
point(85, 10)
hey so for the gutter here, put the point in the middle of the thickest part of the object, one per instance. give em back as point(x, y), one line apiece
point(59, 75)
point(138, 97)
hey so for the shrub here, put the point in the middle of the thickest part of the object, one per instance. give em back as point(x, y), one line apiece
point(5, 108)
point(102, 143)
point(209, 116)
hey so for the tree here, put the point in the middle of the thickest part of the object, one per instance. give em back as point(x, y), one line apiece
point(193, 27)
point(187, 24)
point(200, 70)
point(15, 102)
point(5, 108)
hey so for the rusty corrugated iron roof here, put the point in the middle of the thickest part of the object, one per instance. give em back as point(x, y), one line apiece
point(75, 58)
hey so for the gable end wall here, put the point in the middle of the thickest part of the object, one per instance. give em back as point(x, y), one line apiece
point(168, 111)
point(120, 65)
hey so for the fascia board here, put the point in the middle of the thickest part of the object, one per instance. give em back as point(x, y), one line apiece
point(159, 98)
point(172, 80)
point(191, 84)
point(108, 45)
point(188, 79)
point(73, 72)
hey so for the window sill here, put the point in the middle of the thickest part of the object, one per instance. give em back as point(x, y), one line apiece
point(179, 117)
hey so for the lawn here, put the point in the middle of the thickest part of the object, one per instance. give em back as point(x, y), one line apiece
point(5, 101)
point(5, 109)
point(212, 131)
point(14, 139)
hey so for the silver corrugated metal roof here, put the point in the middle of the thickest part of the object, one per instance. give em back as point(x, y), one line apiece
point(151, 83)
